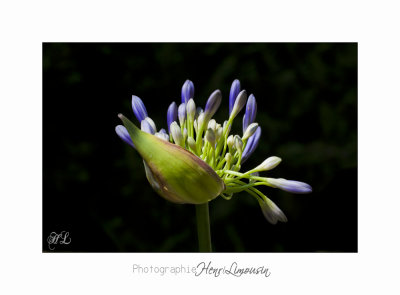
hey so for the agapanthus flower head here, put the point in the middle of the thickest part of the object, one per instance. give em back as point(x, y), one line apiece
point(198, 159)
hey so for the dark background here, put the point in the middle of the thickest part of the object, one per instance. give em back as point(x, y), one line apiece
point(94, 185)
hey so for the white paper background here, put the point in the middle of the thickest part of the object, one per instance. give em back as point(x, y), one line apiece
point(26, 24)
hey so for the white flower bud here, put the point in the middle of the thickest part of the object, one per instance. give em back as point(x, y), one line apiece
point(211, 124)
point(177, 134)
point(201, 121)
point(230, 142)
point(250, 131)
point(191, 109)
point(238, 143)
point(268, 164)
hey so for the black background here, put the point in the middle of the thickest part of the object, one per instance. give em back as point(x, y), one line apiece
point(94, 185)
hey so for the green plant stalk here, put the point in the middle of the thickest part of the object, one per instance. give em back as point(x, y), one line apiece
point(203, 227)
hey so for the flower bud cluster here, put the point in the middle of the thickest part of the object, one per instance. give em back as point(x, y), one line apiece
point(212, 147)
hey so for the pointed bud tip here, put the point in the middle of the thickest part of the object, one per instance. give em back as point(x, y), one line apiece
point(217, 91)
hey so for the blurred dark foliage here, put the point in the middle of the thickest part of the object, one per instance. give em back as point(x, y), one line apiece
point(94, 185)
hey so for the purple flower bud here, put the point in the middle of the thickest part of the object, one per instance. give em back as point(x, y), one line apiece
point(291, 186)
point(250, 114)
point(124, 135)
point(182, 113)
point(172, 114)
point(212, 104)
point(138, 108)
point(146, 127)
point(251, 145)
point(187, 91)
point(162, 130)
point(235, 89)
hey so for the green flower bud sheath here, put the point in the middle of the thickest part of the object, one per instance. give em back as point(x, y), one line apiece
point(179, 175)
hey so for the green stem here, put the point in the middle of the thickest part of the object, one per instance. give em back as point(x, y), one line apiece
point(203, 227)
